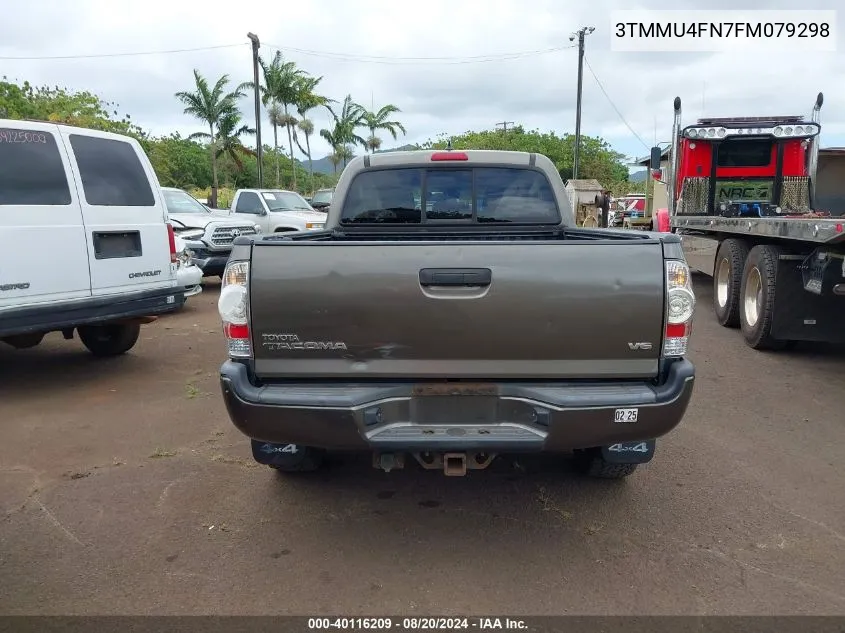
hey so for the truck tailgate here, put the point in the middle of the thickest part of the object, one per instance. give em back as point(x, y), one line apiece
point(477, 310)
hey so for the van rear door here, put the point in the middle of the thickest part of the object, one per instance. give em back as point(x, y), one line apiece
point(123, 211)
point(43, 256)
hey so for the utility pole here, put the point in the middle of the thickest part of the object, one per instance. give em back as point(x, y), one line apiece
point(259, 149)
point(580, 34)
point(504, 125)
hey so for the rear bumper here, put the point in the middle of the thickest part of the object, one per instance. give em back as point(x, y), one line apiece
point(50, 317)
point(508, 417)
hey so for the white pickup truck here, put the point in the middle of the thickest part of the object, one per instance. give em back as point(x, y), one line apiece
point(277, 210)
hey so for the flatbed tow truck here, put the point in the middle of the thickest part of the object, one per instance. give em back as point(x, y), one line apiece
point(741, 194)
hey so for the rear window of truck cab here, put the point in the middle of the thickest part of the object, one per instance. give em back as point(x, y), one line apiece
point(450, 194)
point(745, 153)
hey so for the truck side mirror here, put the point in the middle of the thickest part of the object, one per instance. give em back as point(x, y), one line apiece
point(656, 156)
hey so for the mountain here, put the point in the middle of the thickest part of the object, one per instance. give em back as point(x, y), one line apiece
point(638, 176)
point(321, 166)
point(324, 165)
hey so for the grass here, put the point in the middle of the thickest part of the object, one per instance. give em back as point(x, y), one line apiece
point(160, 452)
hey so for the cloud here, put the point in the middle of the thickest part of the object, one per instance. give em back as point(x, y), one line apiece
point(457, 79)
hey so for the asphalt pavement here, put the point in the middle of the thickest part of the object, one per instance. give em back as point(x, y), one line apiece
point(126, 490)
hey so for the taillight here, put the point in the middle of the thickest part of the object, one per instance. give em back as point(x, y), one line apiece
point(171, 236)
point(680, 306)
point(233, 307)
point(449, 156)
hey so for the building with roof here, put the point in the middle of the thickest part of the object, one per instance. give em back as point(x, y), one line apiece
point(582, 194)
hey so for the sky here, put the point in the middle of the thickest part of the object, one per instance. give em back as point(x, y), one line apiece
point(450, 65)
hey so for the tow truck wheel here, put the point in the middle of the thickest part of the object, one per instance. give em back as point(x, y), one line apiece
point(727, 278)
point(758, 298)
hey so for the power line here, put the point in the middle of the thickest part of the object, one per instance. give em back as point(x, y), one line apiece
point(134, 54)
point(391, 60)
point(613, 105)
point(374, 59)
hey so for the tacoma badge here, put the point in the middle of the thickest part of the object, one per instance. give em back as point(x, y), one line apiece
point(276, 342)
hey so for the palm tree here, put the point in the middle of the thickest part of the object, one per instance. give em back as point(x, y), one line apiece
point(334, 158)
point(378, 120)
point(345, 153)
point(229, 139)
point(333, 139)
point(279, 89)
point(211, 105)
point(276, 116)
point(306, 100)
point(343, 134)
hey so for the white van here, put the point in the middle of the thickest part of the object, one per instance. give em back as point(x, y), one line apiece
point(84, 241)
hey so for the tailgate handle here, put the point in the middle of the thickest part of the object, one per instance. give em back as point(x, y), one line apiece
point(456, 277)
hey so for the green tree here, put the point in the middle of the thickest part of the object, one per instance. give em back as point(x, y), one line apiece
point(598, 159)
point(277, 118)
point(275, 74)
point(180, 162)
point(281, 85)
point(60, 105)
point(211, 105)
point(380, 120)
point(307, 99)
point(228, 142)
point(343, 134)
point(333, 138)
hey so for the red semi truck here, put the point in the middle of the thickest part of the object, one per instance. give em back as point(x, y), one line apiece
point(741, 194)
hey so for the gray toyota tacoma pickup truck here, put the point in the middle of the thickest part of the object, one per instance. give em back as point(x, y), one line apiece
point(451, 311)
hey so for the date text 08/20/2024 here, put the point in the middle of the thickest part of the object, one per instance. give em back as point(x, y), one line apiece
point(417, 624)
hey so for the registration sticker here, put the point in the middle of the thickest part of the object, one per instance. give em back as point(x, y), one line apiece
point(626, 415)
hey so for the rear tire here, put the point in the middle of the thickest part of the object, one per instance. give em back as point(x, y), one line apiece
point(758, 298)
point(727, 280)
point(24, 341)
point(112, 339)
point(592, 464)
point(288, 458)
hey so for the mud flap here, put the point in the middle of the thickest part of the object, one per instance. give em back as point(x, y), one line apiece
point(629, 452)
point(271, 454)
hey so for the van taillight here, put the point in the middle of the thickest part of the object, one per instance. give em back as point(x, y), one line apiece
point(680, 307)
point(233, 307)
point(171, 236)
